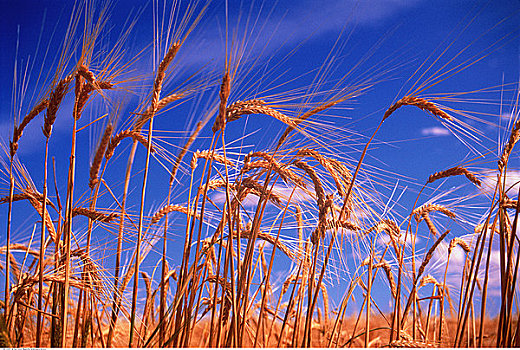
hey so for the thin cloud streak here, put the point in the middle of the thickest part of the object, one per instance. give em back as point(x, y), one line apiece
point(435, 131)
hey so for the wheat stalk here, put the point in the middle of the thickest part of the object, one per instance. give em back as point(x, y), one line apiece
point(157, 88)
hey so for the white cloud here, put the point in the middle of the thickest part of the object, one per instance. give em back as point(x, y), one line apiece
point(507, 116)
point(435, 131)
point(512, 177)
point(437, 265)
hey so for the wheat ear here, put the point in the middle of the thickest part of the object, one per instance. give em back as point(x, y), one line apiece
point(335, 168)
point(18, 130)
point(421, 103)
point(388, 271)
point(454, 172)
point(238, 109)
point(209, 155)
point(427, 208)
point(37, 205)
point(98, 157)
point(116, 139)
point(460, 242)
point(94, 215)
point(270, 163)
point(157, 87)
point(55, 99)
point(513, 139)
point(168, 209)
point(28, 194)
point(322, 201)
point(225, 87)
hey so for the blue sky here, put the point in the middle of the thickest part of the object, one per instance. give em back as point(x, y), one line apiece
point(393, 38)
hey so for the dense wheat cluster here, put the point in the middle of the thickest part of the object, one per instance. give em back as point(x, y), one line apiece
point(160, 237)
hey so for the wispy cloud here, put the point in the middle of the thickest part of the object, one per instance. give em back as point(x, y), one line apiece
point(321, 18)
point(294, 22)
point(435, 131)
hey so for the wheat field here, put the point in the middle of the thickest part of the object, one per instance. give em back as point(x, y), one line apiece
point(160, 217)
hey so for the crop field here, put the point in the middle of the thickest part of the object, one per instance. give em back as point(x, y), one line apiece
point(228, 174)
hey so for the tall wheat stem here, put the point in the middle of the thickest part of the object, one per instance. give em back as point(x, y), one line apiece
point(369, 290)
point(116, 304)
point(474, 268)
point(139, 233)
point(68, 233)
point(42, 249)
point(162, 297)
point(271, 262)
point(8, 243)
